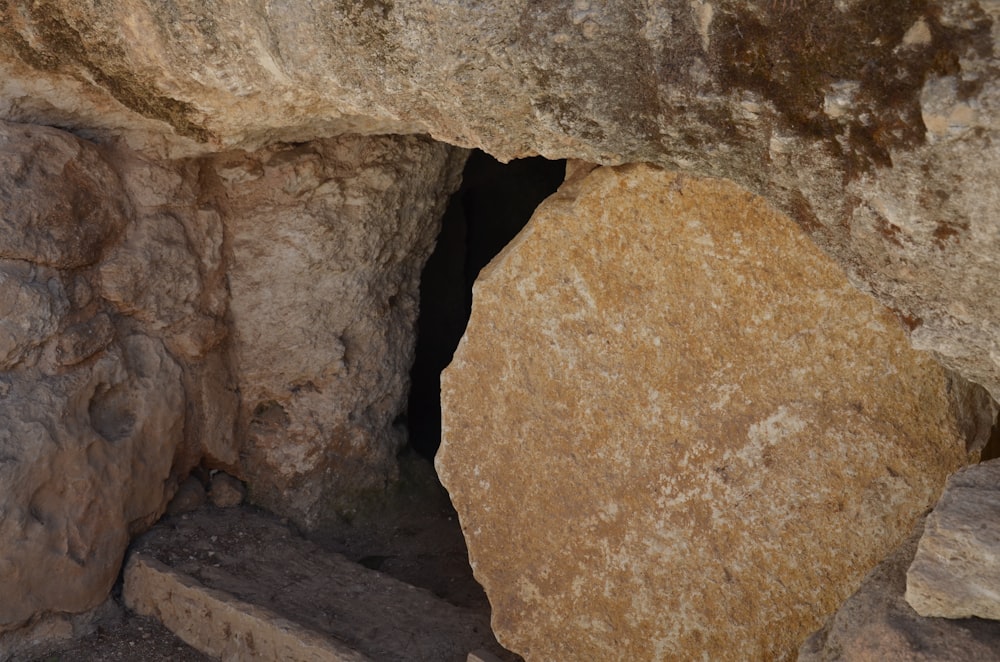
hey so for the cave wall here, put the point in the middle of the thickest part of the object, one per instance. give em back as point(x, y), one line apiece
point(162, 164)
point(247, 312)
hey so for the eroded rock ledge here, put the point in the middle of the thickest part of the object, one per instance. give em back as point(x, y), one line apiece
point(872, 126)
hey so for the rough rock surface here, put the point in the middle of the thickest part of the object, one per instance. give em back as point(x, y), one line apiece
point(101, 412)
point(876, 624)
point(86, 458)
point(955, 573)
point(238, 585)
point(60, 200)
point(45, 636)
point(327, 243)
point(167, 276)
point(674, 430)
point(873, 126)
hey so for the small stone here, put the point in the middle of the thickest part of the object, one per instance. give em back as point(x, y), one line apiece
point(955, 573)
point(190, 496)
point(226, 491)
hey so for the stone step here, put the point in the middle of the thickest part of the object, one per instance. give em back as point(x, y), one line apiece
point(239, 585)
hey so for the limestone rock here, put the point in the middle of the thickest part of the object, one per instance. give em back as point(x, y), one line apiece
point(238, 585)
point(955, 573)
point(169, 271)
point(60, 201)
point(85, 458)
point(167, 275)
point(328, 240)
point(673, 429)
point(221, 625)
point(757, 94)
point(876, 624)
point(879, 142)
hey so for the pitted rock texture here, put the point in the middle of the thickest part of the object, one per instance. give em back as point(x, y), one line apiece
point(327, 243)
point(85, 459)
point(673, 430)
point(872, 125)
point(60, 201)
point(102, 410)
point(876, 624)
point(166, 275)
point(954, 573)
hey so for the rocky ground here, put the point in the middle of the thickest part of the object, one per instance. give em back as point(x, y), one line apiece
point(414, 536)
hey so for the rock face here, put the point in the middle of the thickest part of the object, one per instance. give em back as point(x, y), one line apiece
point(250, 312)
point(91, 407)
point(86, 459)
point(674, 430)
point(954, 573)
point(876, 624)
point(106, 397)
point(328, 240)
point(879, 142)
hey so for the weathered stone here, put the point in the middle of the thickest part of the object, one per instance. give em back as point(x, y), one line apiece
point(190, 496)
point(60, 201)
point(879, 142)
point(85, 459)
point(221, 625)
point(45, 635)
point(955, 573)
point(169, 271)
point(327, 242)
point(674, 430)
point(238, 585)
point(32, 304)
point(168, 274)
point(876, 624)
point(226, 491)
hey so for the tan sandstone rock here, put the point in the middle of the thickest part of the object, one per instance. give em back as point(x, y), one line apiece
point(327, 243)
point(955, 573)
point(673, 430)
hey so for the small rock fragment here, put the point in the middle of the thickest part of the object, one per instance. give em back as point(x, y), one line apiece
point(482, 656)
point(226, 491)
point(190, 496)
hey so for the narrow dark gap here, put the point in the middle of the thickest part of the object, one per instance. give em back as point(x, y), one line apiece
point(493, 203)
point(992, 449)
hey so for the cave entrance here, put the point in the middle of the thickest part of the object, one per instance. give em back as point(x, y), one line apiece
point(493, 203)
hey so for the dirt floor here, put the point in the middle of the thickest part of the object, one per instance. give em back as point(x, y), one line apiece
point(413, 535)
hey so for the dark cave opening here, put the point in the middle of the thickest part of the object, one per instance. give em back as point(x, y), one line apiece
point(493, 203)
